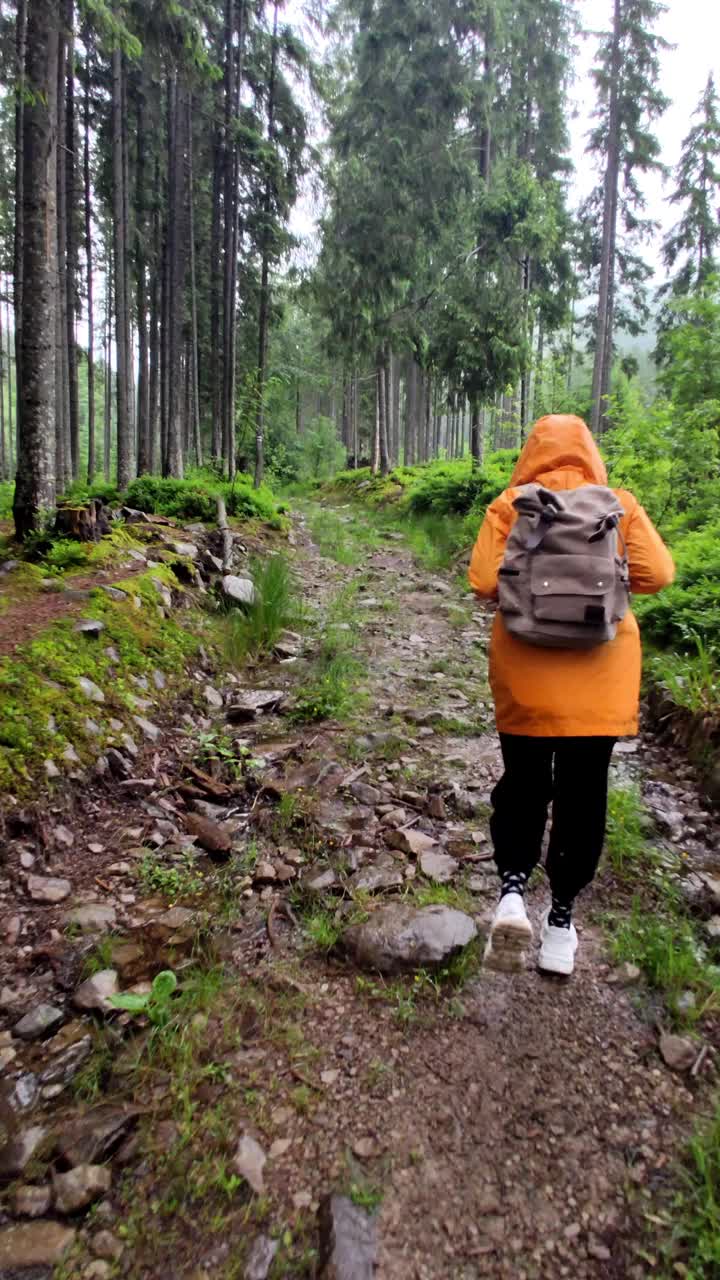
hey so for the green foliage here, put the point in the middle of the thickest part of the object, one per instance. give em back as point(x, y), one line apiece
point(195, 498)
point(667, 949)
point(156, 1004)
point(256, 628)
point(174, 882)
point(457, 487)
point(625, 839)
point(696, 1208)
point(691, 606)
point(7, 492)
point(65, 554)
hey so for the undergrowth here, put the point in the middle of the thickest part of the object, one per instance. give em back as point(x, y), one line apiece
point(256, 628)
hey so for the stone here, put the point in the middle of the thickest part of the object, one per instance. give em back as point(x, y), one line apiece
point(678, 1052)
point(384, 873)
point(712, 928)
point(211, 835)
point(24, 1092)
point(48, 889)
point(238, 590)
point(186, 549)
point(629, 973)
point(51, 769)
point(117, 763)
point(260, 1258)
point(92, 917)
point(365, 794)
point(348, 1241)
point(288, 645)
point(98, 1270)
point(249, 1162)
point(150, 730)
point(80, 1186)
point(115, 593)
point(19, 1151)
point(88, 1139)
point(399, 937)
point(97, 992)
point(90, 689)
point(67, 1062)
point(39, 1022)
point(264, 870)
point(436, 807)
point(106, 1245)
point(213, 698)
point(32, 1202)
point(34, 1244)
point(439, 867)
point(89, 627)
point(410, 841)
point(212, 563)
point(320, 881)
point(253, 703)
point(70, 755)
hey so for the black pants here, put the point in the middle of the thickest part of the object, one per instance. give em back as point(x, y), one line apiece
point(573, 774)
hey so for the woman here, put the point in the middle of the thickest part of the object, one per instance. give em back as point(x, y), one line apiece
point(558, 711)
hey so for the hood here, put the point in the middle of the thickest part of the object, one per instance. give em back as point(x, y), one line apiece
point(559, 442)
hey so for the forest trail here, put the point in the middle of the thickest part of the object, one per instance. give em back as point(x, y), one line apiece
point(503, 1126)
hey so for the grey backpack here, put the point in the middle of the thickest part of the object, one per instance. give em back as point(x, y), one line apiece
point(564, 581)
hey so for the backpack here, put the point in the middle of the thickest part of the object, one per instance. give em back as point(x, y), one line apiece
point(564, 581)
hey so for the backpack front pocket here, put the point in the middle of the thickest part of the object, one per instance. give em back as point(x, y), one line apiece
point(573, 588)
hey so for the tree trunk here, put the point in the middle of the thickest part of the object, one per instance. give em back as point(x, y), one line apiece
point(125, 463)
point(265, 269)
point(229, 250)
point(379, 396)
point(215, 381)
point(107, 407)
point(475, 435)
point(89, 275)
point(20, 53)
point(603, 335)
point(176, 276)
point(356, 421)
point(62, 390)
point(144, 456)
point(71, 250)
point(383, 399)
point(156, 303)
point(35, 486)
point(4, 470)
point(193, 355)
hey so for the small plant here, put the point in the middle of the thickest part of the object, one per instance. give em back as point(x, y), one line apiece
point(625, 839)
point(322, 929)
point(156, 1004)
point(696, 1208)
point(173, 882)
point(671, 957)
point(256, 628)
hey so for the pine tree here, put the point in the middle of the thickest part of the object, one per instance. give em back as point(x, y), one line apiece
point(693, 242)
point(629, 101)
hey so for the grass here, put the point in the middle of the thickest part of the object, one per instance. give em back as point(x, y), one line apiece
point(173, 882)
point(696, 1208)
point(254, 630)
point(625, 839)
point(672, 958)
point(331, 690)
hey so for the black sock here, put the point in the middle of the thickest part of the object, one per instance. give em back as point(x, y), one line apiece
point(560, 914)
point(513, 882)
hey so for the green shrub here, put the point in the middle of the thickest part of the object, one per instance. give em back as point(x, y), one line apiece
point(195, 498)
point(256, 628)
point(691, 606)
point(7, 492)
point(457, 487)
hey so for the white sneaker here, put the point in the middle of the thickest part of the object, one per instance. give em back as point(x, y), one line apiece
point(510, 935)
point(557, 948)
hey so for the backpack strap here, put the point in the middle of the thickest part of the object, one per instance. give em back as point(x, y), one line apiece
point(545, 505)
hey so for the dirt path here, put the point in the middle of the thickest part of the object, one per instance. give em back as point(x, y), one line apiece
point(512, 1127)
point(25, 618)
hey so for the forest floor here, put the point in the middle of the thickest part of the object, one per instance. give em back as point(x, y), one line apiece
point(479, 1124)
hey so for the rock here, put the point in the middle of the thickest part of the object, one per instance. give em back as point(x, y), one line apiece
point(348, 1241)
point(264, 871)
point(712, 928)
point(106, 1245)
point(118, 765)
point(96, 992)
point(48, 889)
point(186, 549)
point(92, 917)
point(253, 703)
point(151, 731)
point(410, 841)
point(40, 1022)
point(686, 1001)
point(260, 1258)
point(33, 1244)
point(628, 974)
point(212, 563)
point(51, 769)
point(80, 1186)
point(439, 867)
point(89, 627)
point(399, 937)
point(712, 785)
point(115, 593)
point(436, 807)
point(288, 645)
point(32, 1202)
point(18, 1153)
point(90, 1138)
point(24, 1092)
point(249, 1162)
point(211, 835)
point(62, 835)
point(175, 919)
point(97, 1270)
point(238, 590)
point(384, 873)
point(67, 1062)
point(212, 697)
point(90, 689)
point(320, 881)
point(365, 794)
point(712, 886)
point(677, 1052)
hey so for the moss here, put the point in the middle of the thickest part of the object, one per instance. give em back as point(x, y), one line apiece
point(41, 679)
